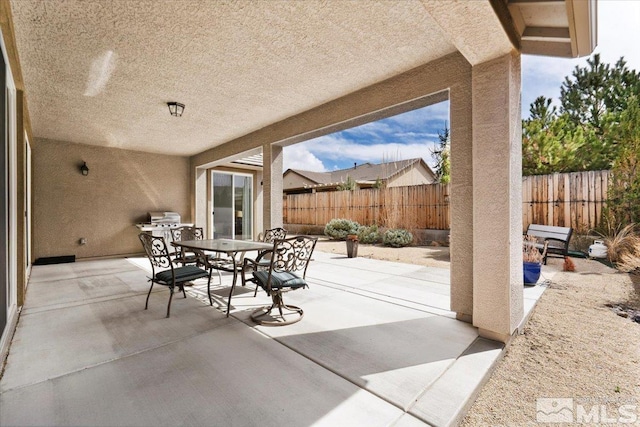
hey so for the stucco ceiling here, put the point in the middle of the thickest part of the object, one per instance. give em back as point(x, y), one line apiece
point(101, 72)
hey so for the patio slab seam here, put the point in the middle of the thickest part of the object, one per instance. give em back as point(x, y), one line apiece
point(76, 303)
point(327, 368)
point(385, 298)
point(407, 410)
point(115, 359)
point(395, 264)
point(427, 408)
point(37, 280)
point(410, 279)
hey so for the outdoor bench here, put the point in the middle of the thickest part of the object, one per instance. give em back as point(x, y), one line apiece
point(557, 239)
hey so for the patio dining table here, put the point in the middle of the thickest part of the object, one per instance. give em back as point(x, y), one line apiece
point(229, 247)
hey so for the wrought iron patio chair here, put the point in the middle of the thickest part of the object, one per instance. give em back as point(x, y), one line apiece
point(287, 271)
point(263, 260)
point(185, 233)
point(167, 274)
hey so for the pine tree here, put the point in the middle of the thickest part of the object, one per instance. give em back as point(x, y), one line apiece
point(442, 156)
point(623, 206)
point(575, 137)
point(594, 92)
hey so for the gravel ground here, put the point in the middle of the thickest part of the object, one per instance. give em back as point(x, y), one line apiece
point(574, 345)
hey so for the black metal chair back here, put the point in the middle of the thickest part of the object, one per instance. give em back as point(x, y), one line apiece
point(185, 233)
point(156, 250)
point(163, 271)
point(263, 259)
point(273, 234)
point(292, 254)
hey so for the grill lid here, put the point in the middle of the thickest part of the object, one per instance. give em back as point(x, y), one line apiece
point(164, 217)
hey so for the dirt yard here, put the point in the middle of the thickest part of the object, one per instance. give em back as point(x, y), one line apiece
point(429, 256)
point(574, 345)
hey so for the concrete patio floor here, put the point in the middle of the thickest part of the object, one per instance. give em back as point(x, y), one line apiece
point(377, 347)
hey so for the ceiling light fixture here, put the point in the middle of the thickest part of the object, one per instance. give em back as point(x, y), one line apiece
point(175, 108)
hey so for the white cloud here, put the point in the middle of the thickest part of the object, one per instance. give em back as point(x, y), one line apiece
point(299, 157)
point(418, 118)
point(369, 130)
point(334, 148)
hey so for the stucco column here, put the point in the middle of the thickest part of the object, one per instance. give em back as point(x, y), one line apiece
point(460, 108)
point(272, 186)
point(497, 197)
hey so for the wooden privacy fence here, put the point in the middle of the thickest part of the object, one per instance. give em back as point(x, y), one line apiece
point(417, 206)
point(570, 199)
point(565, 199)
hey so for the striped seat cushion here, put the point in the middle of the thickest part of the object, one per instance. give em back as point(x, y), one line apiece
point(279, 280)
point(183, 274)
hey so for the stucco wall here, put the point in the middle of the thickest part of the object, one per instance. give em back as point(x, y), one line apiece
point(120, 190)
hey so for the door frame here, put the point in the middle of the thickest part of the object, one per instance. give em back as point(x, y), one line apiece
point(211, 207)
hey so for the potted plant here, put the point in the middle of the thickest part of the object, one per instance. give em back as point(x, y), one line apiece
point(352, 245)
point(532, 260)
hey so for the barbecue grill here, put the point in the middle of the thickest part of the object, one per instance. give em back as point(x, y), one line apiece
point(161, 223)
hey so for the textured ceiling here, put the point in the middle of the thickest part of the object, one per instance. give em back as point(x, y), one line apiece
point(101, 72)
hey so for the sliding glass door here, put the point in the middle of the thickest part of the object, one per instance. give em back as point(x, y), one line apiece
point(232, 205)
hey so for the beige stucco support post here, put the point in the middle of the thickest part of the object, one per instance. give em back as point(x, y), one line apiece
point(497, 197)
point(272, 158)
point(460, 108)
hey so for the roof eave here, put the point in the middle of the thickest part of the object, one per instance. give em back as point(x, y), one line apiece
point(583, 26)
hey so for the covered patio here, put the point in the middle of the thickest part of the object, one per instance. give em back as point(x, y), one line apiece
point(90, 150)
point(377, 346)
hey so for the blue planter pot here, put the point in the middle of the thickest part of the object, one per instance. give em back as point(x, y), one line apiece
point(531, 272)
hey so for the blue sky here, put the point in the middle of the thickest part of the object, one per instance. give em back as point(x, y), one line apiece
point(415, 133)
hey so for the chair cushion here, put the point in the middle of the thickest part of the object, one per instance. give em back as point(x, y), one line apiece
point(183, 274)
point(279, 280)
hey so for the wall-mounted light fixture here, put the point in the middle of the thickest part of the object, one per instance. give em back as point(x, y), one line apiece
point(84, 169)
point(175, 108)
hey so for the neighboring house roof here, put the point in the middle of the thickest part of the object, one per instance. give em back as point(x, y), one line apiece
point(363, 173)
point(317, 177)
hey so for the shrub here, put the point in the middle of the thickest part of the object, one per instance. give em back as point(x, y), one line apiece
point(530, 252)
point(582, 238)
point(348, 185)
point(339, 228)
point(397, 237)
point(369, 234)
point(623, 249)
